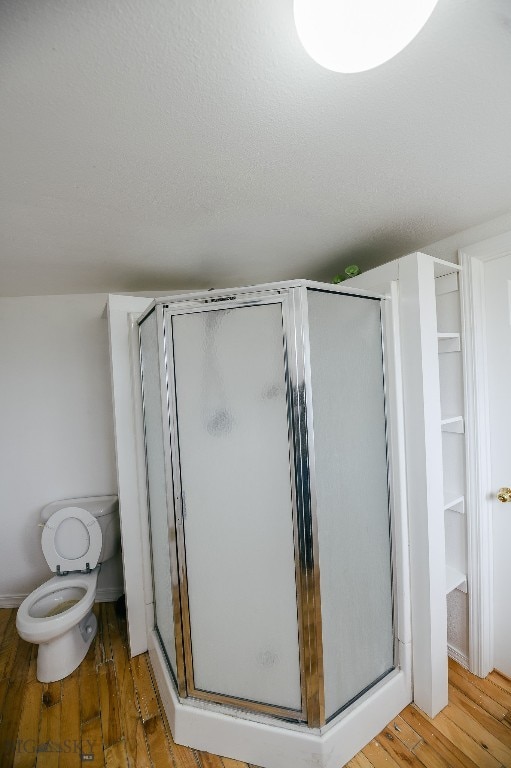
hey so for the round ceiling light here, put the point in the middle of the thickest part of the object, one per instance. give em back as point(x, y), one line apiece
point(356, 35)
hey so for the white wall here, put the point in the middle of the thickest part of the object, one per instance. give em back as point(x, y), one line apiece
point(448, 247)
point(56, 427)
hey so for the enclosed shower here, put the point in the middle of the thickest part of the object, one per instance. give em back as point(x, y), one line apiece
point(265, 423)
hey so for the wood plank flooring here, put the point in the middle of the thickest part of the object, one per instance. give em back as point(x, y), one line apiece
point(108, 713)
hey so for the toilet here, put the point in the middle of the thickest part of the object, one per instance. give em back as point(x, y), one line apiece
point(78, 535)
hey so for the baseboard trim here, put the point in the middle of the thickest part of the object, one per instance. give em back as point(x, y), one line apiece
point(104, 595)
point(457, 656)
point(11, 601)
point(108, 594)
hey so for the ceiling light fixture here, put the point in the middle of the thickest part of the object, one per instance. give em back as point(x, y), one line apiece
point(357, 35)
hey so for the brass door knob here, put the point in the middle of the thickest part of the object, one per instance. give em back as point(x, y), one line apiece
point(504, 495)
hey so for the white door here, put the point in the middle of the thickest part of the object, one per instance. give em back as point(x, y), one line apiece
point(498, 333)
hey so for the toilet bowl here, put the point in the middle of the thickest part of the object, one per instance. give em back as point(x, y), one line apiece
point(78, 535)
point(58, 617)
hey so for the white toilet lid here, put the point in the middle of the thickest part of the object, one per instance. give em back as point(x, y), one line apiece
point(72, 540)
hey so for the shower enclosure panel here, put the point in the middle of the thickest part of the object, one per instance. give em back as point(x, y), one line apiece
point(268, 488)
point(351, 482)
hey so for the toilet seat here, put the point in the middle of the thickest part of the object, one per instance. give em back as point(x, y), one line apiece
point(71, 540)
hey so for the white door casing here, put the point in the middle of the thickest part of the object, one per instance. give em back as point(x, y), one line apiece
point(486, 328)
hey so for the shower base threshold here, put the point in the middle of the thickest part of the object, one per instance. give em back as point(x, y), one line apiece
point(271, 743)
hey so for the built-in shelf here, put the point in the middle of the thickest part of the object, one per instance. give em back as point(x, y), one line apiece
point(449, 342)
point(447, 283)
point(455, 504)
point(442, 267)
point(454, 424)
point(454, 579)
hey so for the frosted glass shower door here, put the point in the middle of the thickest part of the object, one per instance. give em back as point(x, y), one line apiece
point(231, 408)
point(352, 494)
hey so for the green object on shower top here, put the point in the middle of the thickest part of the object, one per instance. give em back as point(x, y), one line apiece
point(350, 271)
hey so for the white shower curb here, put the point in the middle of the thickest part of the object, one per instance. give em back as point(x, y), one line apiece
point(268, 744)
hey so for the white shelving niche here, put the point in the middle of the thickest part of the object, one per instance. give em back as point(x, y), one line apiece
point(453, 458)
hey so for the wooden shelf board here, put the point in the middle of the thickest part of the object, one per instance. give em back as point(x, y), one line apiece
point(442, 267)
point(454, 579)
point(447, 284)
point(455, 504)
point(449, 342)
point(453, 424)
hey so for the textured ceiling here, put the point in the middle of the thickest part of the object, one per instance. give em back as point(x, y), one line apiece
point(164, 144)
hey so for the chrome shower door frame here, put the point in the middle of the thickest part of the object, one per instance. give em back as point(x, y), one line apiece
point(302, 300)
point(179, 673)
point(305, 542)
point(308, 572)
point(301, 396)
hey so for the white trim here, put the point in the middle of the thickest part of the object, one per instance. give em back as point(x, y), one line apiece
point(478, 477)
point(129, 473)
point(273, 744)
point(456, 655)
point(108, 595)
point(104, 595)
point(421, 387)
point(12, 601)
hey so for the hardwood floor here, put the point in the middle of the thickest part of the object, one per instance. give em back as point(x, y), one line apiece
point(108, 713)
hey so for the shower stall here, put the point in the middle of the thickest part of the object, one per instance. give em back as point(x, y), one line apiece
point(266, 437)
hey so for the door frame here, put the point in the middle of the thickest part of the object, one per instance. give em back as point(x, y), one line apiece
point(478, 451)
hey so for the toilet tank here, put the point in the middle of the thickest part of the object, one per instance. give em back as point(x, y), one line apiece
point(105, 509)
